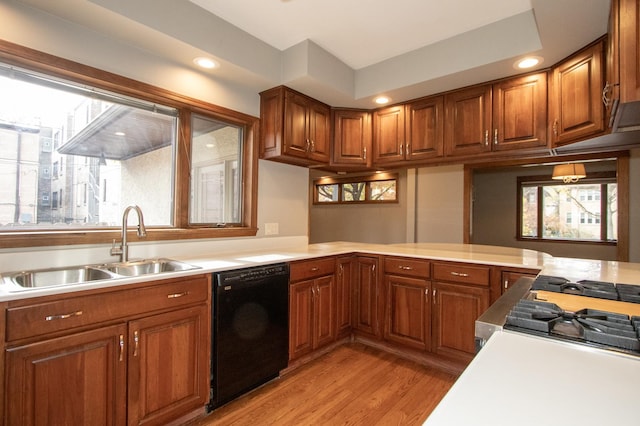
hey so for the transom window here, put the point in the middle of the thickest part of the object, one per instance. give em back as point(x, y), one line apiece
point(583, 211)
point(377, 188)
point(74, 155)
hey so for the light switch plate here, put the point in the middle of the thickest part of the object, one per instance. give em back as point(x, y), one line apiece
point(271, 228)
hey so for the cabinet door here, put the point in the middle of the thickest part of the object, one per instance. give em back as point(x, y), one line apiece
point(455, 310)
point(629, 27)
point(73, 380)
point(296, 130)
point(351, 138)
point(520, 113)
point(388, 135)
point(408, 312)
point(324, 311)
point(300, 318)
point(508, 278)
point(425, 129)
point(345, 267)
point(576, 104)
point(365, 296)
point(468, 121)
point(168, 365)
point(319, 128)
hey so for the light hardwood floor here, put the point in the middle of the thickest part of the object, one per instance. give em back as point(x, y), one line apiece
point(352, 385)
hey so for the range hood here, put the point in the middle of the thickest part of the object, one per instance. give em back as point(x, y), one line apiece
point(625, 117)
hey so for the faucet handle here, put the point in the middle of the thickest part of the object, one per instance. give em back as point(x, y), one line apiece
point(115, 251)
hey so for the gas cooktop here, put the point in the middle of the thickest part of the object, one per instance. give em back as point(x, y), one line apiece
point(598, 289)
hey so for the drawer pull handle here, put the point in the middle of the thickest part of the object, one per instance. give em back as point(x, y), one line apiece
point(315, 269)
point(136, 341)
point(405, 268)
point(121, 347)
point(459, 274)
point(176, 295)
point(63, 316)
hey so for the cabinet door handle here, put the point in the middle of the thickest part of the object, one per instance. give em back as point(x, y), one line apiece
point(307, 148)
point(63, 316)
point(136, 342)
point(405, 268)
point(459, 274)
point(434, 296)
point(406, 150)
point(506, 284)
point(364, 157)
point(486, 138)
point(605, 95)
point(495, 136)
point(176, 295)
point(313, 146)
point(401, 148)
point(555, 127)
point(121, 344)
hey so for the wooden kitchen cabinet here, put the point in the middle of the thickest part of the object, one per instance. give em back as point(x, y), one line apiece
point(351, 144)
point(509, 277)
point(576, 89)
point(165, 364)
point(411, 133)
point(629, 48)
point(312, 309)
point(143, 360)
point(509, 115)
point(75, 379)
point(460, 294)
point(295, 128)
point(408, 311)
point(345, 267)
point(366, 297)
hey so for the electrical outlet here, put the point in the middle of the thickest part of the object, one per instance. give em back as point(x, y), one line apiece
point(271, 229)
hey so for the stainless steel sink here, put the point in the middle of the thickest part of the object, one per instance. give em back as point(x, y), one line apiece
point(146, 267)
point(59, 276)
point(39, 278)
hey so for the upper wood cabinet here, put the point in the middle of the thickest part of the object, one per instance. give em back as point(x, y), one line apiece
point(409, 133)
point(468, 121)
point(629, 48)
point(351, 144)
point(576, 107)
point(294, 128)
point(510, 114)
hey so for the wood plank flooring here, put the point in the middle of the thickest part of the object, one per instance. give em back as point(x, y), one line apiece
point(352, 385)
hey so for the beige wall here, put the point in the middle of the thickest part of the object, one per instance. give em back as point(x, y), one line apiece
point(366, 223)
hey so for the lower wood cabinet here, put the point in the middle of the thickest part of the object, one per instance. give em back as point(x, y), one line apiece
point(345, 267)
point(366, 297)
point(141, 368)
point(408, 313)
point(312, 307)
point(455, 310)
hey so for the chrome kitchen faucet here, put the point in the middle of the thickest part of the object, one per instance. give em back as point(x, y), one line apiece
point(123, 250)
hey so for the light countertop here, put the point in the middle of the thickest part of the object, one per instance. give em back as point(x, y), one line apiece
point(524, 380)
point(218, 260)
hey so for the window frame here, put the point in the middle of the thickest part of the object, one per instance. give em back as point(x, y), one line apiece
point(341, 181)
point(57, 67)
point(599, 178)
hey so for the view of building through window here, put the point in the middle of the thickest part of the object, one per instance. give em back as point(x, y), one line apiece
point(376, 188)
point(583, 211)
point(73, 159)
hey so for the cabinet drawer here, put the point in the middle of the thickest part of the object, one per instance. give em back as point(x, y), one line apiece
point(52, 316)
point(410, 267)
point(311, 269)
point(461, 273)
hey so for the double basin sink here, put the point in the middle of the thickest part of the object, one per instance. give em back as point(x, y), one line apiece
point(89, 273)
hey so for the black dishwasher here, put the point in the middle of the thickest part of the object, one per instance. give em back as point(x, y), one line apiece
point(250, 326)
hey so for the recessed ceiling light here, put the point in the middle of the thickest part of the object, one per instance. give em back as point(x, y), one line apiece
point(528, 62)
point(203, 62)
point(381, 100)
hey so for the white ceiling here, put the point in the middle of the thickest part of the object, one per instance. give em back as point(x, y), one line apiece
point(345, 52)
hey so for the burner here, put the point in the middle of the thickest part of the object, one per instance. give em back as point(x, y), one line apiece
point(604, 329)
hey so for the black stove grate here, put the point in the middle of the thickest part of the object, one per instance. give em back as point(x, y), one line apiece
point(589, 288)
point(598, 328)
